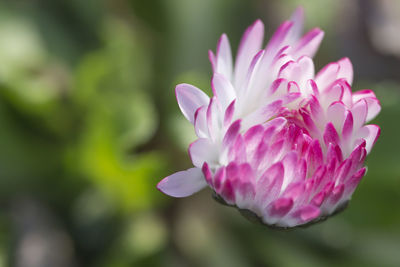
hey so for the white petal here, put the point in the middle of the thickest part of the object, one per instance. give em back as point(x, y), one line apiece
point(223, 90)
point(183, 183)
point(249, 45)
point(345, 70)
point(189, 99)
point(224, 57)
point(203, 150)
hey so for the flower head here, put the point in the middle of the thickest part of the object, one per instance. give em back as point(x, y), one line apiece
point(275, 139)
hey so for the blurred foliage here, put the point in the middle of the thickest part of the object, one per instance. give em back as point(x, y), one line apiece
point(90, 124)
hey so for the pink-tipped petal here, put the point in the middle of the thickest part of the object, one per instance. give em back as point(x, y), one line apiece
point(370, 133)
point(345, 70)
point(278, 38)
point(309, 44)
point(298, 22)
point(360, 112)
point(249, 45)
point(229, 114)
point(327, 75)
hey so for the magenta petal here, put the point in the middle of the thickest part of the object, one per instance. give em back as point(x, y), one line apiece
point(294, 190)
point(244, 186)
point(229, 112)
point(343, 171)
point(231, 134)
point(335, 195)
point(315, 156)
point(353, 182)
point(207, 174)
point(280, 207)
point(253, 137)
point(270, 183)
point(228, 192)
point(318, 199)
point(189, 99)
point(183, 183)
point(237, 152)
point(331, 135)
point(219, 179)
point(347, 131)
point(307, 213)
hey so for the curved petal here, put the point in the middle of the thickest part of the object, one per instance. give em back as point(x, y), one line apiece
point(190, 98)
point(345, 70)
point(202, 150)
point(308, 44)
point(183, 183)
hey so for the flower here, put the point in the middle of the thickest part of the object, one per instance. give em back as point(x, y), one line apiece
point(275, 139)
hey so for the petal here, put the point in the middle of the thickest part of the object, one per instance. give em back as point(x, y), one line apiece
point(327, 75)
point(231, 134)
point(374, 107)
point(213, 119)
point(305, 214)
point(345, 70)
point(278, 38)
point(330, 135)
point(223, 90)
point(183, 183)
point(359, 111)
point(279, 208)
point(229, 113)
point(370, 133)
point(298, 22)
point(189, 99)
point(262, 114)
point(203, 150)
point(308, 44)
point(250, 44)
point(224, 57)
point(270, 184)
point(200, 122)
point(373, 104)
point(336, 114)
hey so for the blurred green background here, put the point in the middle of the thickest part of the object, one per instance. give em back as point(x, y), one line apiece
point(89, 124)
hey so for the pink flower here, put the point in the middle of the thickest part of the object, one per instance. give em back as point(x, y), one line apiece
point(276, 140)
